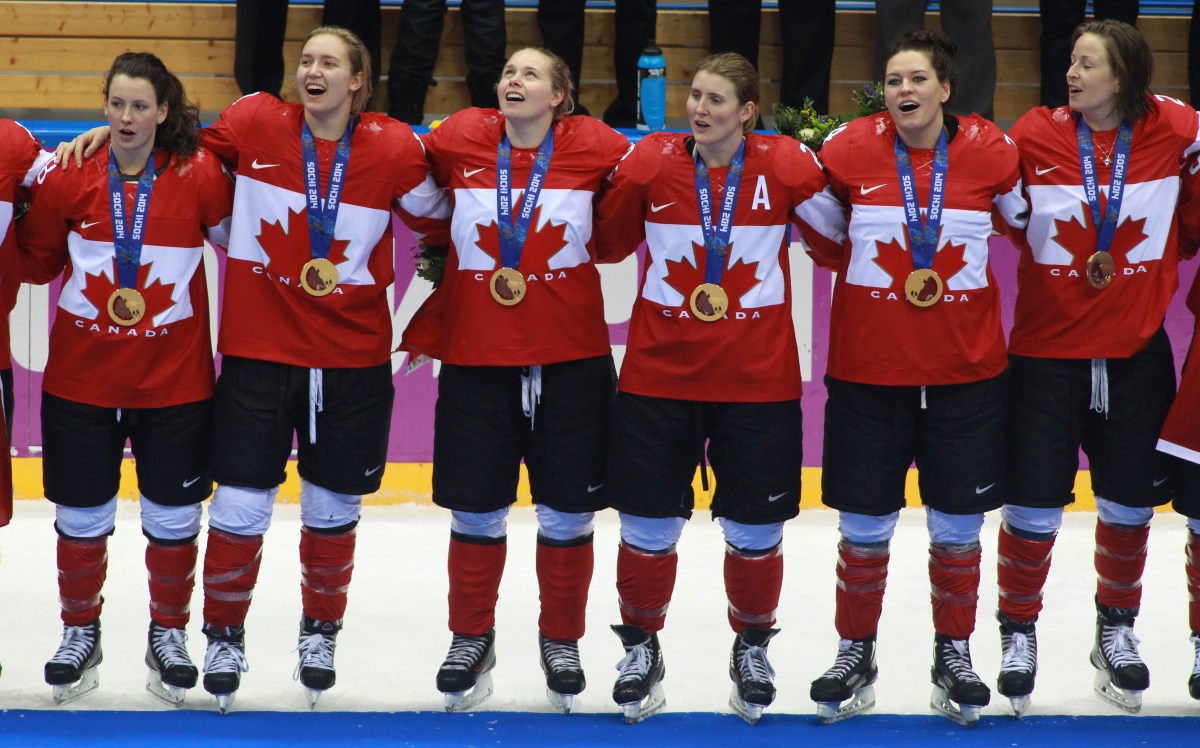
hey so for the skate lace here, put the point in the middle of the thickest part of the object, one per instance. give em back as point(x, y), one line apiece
point(754, 666)
point(464, 652)
point(561, 656)
point(1120, 646)
point(316, 650)
point(77, 644)
point(957, 659)
point(850, 653)
point(1018, 654)
point(225, 657)
point(170, 647)
point(635, 665)
point(1196, 664)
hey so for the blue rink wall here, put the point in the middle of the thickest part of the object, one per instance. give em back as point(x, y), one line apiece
point(184, 729)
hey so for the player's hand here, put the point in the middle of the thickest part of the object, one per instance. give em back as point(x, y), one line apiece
point(81, 146)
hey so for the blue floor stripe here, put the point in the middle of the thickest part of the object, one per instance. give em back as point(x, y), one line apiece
point(186, 728)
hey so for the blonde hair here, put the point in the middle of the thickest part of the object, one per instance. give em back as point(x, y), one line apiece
point(360, 62)
point(560, 80)
point(746, 84)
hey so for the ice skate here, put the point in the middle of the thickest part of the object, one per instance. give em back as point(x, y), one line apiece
point(465, 677)
point(72, 669)
point(847, 688)
point(171, 671)
point(958, 693)
point(1121, 676)
point(315, 669)
point(752, 674)
point(1194, 680)
point(224, 663)
point(564, 672)
point(1018, 662)
point(638, 690)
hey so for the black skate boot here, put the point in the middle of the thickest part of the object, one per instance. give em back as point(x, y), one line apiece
point(564, 672)
point(752, 674)
point(224, 663)
point(1194, 680)
point(315, 670)
point(465, 677)
point(638, 690)
point(1018, 661)
point(171, 669)
point(958, 693)
point(1121, 676)
point(851, 679)
point(72, 669)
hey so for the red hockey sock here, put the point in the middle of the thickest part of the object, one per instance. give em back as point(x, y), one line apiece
point(645, 583)
point(1022, 566)
point(171, 569)
point(564, 572)
point(230, 572)
point(954, 588)
point(861, 579)
point(1120, 559)
point(82, 567)
point(1193, 580)
point(326, 565)
point(476, 565)
point(753, 580)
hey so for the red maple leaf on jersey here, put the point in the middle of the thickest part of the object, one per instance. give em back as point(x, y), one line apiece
point(1080, 239)
point(157, 295)
point(736, 280)
point(289, 248)
point(897, 262)
point(540, 243)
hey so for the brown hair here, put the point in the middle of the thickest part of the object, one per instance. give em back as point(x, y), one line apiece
point(560, 80)
point(360, 62)
point(179, 133)
point(1131, 61)
point(939, 48)
point(737, 70)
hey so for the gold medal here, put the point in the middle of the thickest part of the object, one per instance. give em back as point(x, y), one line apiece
point(126, 307)
point(709, 302)
point(319, 276)
point(923, 287)
point(507, 286)
point(1100, 269)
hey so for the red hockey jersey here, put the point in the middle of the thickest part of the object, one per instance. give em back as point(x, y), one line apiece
point(21, 158)
point(748, 355)
point(266, 314)
point(561, 317)
point(166, 357)
point(1058, 315)
point(876, 335)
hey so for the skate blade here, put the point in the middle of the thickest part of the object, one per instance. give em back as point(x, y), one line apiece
point(1130, 701)
point(752, 713)
point(224, 701)
point(172, 695)
point(829, 712)
point(89, 680)
point(560, 701)
point(966, 715)
point(1019, 705)
point(461, 701)
point(639, 710)
point(313, 696)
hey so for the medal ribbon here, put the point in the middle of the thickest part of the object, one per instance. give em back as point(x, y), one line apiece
point(922, 239)
point(513, 233)
point(1107, 226)
point(716, 238)
point(129, 245)
point(322, 216)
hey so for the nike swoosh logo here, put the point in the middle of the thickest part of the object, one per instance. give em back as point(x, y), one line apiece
point(86, 225)
point(1040, 171)
point(188, 483)
point(777, 496)
point(255, 165)
point(595, 488)
point(1159, 481)
point(473, 172)
point(372, 471)
point(868, 190)
point(655, 208)
point(984, 489)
